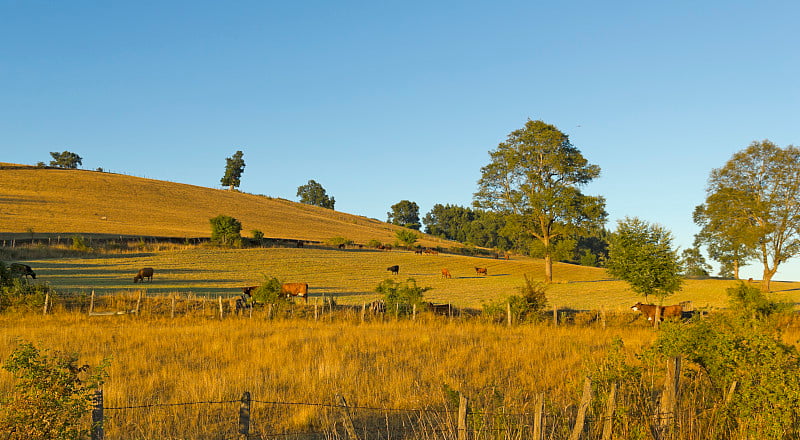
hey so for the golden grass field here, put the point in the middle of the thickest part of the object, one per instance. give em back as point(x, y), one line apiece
point(392, 364)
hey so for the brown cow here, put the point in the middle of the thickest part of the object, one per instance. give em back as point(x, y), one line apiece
point(649, 310)
point(481, 271)
point(143, 273)
point(295, 289)
point(446, 273)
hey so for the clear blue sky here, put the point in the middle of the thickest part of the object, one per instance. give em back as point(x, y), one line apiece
point(385, 101)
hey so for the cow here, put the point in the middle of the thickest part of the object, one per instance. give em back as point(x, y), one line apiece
point(341, 246)
point(249, 290)
point(446, 273)
point(481, 271)
point(295, 289)
point(21, 270)
point(418, 251)
point(394, 269)
point(649, 310)
point(146, 272)
point(240, 303)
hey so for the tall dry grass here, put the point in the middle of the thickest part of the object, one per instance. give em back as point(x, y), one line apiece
point(394, 365)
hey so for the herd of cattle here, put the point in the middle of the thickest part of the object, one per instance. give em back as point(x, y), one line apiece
point(650, 311)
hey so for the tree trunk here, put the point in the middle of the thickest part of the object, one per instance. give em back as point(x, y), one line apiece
point(768, 274)
point(736, 269)
point(548, 269)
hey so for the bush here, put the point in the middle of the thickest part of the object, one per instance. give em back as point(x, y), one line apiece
point(401, 297)
point(52, 395)
point(79, 244)
point(406, 237)
point(750, 304)
point(338, 241)
point(226, 231)
point(269, 292)
point(374, 243)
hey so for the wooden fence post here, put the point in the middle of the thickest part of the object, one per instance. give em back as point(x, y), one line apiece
point(91, 304)
point(97, 416)
point(555, 315)
point(508, 313)
point(46, 302)
point(669, 398)
point(608, 416)
point(138, 303)
point(463, 433)
point(414, 313)
point(244, 415)
point(316, 311)
point(363, 312)
point(219, 297)
point(172, 312)
point(538, 417)
point(347, 418)
point(586, 399)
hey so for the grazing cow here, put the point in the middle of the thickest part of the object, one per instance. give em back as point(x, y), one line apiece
point(299, 243)
point(649, 310)
point(341, 245)
point(249, 290)
point(295, 289)
point(21, 270)
point(446, 273)
point(394, 269)
point(481, 271)
point(418, 251)
point(146, 272)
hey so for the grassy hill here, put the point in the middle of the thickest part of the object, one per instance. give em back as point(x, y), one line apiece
point(45, 202)
point(42, 202)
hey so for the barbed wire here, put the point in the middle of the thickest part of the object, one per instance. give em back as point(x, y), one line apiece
point(154, 405)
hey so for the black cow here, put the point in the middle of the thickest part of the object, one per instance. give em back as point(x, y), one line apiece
point(394, 269)
point(21, 270)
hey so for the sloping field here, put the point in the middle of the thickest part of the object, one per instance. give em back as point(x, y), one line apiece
point(352, 275)
point(42, 202)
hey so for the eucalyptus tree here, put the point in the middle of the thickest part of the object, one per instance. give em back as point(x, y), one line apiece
point(404, 213)
point(313, 193)
point(754, 200)
point(534, 179)
point(66, 159)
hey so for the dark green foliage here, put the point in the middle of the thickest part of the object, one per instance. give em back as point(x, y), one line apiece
point(234, 167)
point(52, 396)
point(79, 244)
point(765, 403)
point(338, 241)
point(406, 238)
point(525, 307)
point(641, 254)
point(269, 292)
point(404, 213)
point(65, 159)
point(226, 231)
point(19, 293)
point(257, 235)
point(401, 297)
point(313, 193)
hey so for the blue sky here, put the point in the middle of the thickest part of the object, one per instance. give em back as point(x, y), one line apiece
point(387, 101)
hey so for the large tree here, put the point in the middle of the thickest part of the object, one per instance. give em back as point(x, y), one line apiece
point(314, 194)
point(404, 213)
point(66, 159)
point(534, 178)
point(641, 254)
point(234, 167)
point(753, 200)
point(724, 240)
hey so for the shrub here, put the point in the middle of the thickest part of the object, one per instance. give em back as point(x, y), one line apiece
point(337, 241)
point(79, 244)
point(401, 297)
point(374, 243)
point(257, 235)
point(226, 231)
point(750, 304)
point(269, 292)
point(406, 237)
point(52, 394)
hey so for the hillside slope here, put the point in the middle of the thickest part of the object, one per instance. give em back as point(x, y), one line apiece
point(55, 201)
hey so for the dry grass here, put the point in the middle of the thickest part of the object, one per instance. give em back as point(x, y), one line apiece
point(49, 202)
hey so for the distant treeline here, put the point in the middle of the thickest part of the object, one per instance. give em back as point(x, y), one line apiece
point(494, 230)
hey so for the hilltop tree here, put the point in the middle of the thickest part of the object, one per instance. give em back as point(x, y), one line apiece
point(66, 159)
point(234, 167)
point(404, 213)
point(641, 254)
point(694, 264)
point(534, 179)
point(724, 241)
point(314, 194)
point(752, 202)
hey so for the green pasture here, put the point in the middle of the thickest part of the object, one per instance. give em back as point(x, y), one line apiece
point(351, 276)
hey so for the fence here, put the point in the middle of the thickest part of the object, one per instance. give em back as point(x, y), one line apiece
point(594, 417)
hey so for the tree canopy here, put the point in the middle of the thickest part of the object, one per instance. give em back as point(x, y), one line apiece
point(66, 159)
point(641, 254)
point(313, 193)
point(234, 167)
point(751, 203)
point(534, 179)
point(226, 230)
point(404, 213)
